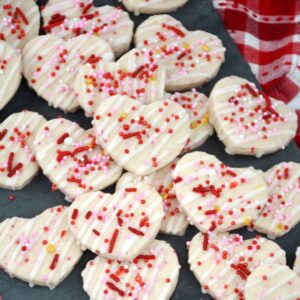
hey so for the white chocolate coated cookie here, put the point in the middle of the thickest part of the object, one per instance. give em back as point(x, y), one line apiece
point(70, 158)
point(191, 57)
point(247, 121)
point(42, 250)
point(152, 6)
point(196, 104)
point(17, 160)
point(118, 226)
point(152, 275)
point(175, 221)
point(272, 282)
point(19, 21)
point(282, 210)
point(223, 262)
point(216, 197)
point(297, 262)
point(70, 18)
point(10, 72)
point(136, 74)
point(50, 66)
point(141, 138)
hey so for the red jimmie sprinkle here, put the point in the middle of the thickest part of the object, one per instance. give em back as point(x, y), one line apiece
point(19, 12)
point(10, 161)
point(88, 214)
point(54, 262)
point(114, 277)
point(176, 30)
point(130, 135)
point(52, 25)
point(213, 226)
point(87, 8)
point(74, 214)
point(3, 134)
point(61, 139)
point(231, 173)
point(250, 89)
point(136, 231)
point(80, 149)
point(62, 154)
point(115, 289)
point(182, 55)
point(113, 241)
point(130, 190)
point(146, 256)
point(96, 232)
point(205, 241)
point(177, 179)
point(15, 169)
point(211, 212)
point(137, 71)
point(286, 173)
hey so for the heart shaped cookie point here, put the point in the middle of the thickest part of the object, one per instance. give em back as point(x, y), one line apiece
point(152, 275)
point(42, 250)
point(191, 57)
point(117, 226)
point(216, 197)
point(141, 138)
point(174, 221)
point(247, 121)
point(272, 281)
point(19, 21)
point(70, 158)
point(222, 262)
point(152, 6)
point(135, 74)
point(196, 105)
point(17, 161)
point(69, 18)
point(281, 213)
point(50, 66)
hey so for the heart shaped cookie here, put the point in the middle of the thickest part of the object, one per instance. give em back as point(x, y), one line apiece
point(297, 262)
point(50, 66)
point(70, 158)
point(19, 21)
point(118, 226)
point(152, 6)
point(70, 18)
point(223, 262)
point(141, 138)
point(17, 161)
point(41, 250)
point(174, 221)
point(281, 212)
point(191, 57)
point(136, 75)
point(247, 121)
point(152, 275)
point(196, 105)
point(272, 281)
point(216, 197)
point(10, 72)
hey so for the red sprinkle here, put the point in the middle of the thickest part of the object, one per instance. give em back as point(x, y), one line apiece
point(137, 71)
point(54, 262)
point(286, 173)
point(136, 231)
point(87, 8)
point(176, 30)
point(96, 232)
point(52, 25)
point(61, 139)
point(19, 12)
point(130, 190)
point(146, 256)
point(211, 212)
point(205, 241)
point(113, 241)
point(182, 55)
point(3, 134)
point(74, 214)
point(177, 179)
point(231, 173)
point(88, 215)
point(250, 89)
point(114, 277)
point(115, 289)
point(15, 169)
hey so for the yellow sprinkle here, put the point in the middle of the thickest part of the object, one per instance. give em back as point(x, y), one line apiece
point(205, 48)
point(205, 119)
point(164, 195)
point(258, 187)
point(186, 45)
point(103, 152)
point(217, 207)
point(280, 227)
point(123, 115)
point(96, 33)
point(194, 125)
point(157, 52)
point(153, 77)
point(89, 81)
point(247, 221)
point(50, 248)
point(170, 186)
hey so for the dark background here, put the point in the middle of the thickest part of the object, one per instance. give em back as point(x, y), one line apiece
point(37, 196)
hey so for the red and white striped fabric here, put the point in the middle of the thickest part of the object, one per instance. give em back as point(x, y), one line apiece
point(267, 32)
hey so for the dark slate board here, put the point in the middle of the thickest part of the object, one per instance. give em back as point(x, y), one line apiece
point(37, 196)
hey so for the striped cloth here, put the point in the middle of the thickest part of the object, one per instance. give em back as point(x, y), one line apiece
point(267, 32)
